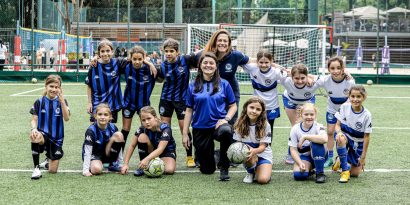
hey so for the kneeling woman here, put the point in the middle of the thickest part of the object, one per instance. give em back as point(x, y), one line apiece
point(154, 139)
point(307, 145)
point(102, 143)
point(208, 99)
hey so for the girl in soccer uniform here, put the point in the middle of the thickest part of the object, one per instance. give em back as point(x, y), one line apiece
point(228, 60)
point(207, 100)
point(337, 86)
point(102, 142)
point(175, 72)
point(253, 129)
point(307, 145)
point(47, 125)
point(139, 85)
point(297, 92)
point(265, 79)
point(353, 128)
point(154, 139)
point(103, 81)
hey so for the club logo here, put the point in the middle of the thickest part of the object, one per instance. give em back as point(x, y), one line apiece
point(308, 95)
point(57, 110)
point(359, 125)
point(330, 116)
point(113, 74)
point(268, 81)
point(127, 112)
point(145, 78)
point(181, 69)
point(346, 91)
point(161, 110)
point(228, 67)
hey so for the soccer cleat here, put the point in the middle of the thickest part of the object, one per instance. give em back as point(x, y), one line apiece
point(114, 167)
point(248, 178)
point(289, 160)
point(344, 176)
point(329, 162)
point(36, 174)
point(224, 175)
point(138, 172)
point(44, 165)
point(190, 162)
point(336, 165)
point(320, 178)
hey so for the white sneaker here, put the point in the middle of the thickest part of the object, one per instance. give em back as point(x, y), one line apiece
point(36, 174)
point(248, 178)
point(44, 165)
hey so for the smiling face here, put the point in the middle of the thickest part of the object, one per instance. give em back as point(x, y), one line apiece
point(264, 64)
point(254, 110)
point(103, 117)
point(222, 43)
point(137, 60)
point(308, 115)
point(52, 90)
point(336, 70)
point(105, 53)
point(208, 67)
point(170, 54)
point(356, 98)
point(148, 120)
point(299, 80)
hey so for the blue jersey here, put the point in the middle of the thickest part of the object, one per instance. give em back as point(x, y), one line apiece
point(176, 78)
point(228, 66)
point(207, 108)
point(50, 118)
point(98, 138)
point(165, 134)
point(138, 89)
point(104, 81)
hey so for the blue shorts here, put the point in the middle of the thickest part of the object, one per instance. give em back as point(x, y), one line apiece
point(293, 106)
point(262, 161)
point(273, 114)
point(354, 151)
point(330, 118)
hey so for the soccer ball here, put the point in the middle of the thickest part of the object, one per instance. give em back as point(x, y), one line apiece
point(34, 80)
point(238, 152)
point(155, 168)
point(369, 82)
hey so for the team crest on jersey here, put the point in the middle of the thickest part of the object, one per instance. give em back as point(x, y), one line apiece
point(330, 116)
point(346, 91)
point(359, 125)
point(268, 81)
point(181, 69)
point(127, 112)
point(145, 77)
point(228, 67)
point(161, 110)
point(308, 95)
point(58, 111)
point(113, 74)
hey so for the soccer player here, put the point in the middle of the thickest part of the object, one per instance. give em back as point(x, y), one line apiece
point(353, 128)
point(252, 128)
point(207, 99)
point(265, 79)
point(228, 61)
point(297, 92)
point(337, 86)
point(307, 145)
point(139, 85)
point(47, 125)
point(154, 139)
point(102, 142)
point(103, 81)
point(175, 74)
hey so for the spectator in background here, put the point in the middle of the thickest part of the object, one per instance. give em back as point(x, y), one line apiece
point(43, 54)
point(117, 52)
point(154, 58)
point(38, 58)
point(52, 58)
point(3, 52)
point(374, 61)
point(123, 52)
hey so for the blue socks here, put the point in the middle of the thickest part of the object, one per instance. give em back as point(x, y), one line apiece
point(330, 154)
point(342, 152)
point(300, 176)
point(318, 154)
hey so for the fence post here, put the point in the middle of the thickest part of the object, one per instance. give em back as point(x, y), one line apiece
point(17, 52)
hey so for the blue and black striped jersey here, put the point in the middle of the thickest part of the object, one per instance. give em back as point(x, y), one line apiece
point(156, 136)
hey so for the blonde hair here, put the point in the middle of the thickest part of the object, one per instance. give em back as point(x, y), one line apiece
point(150, 110)
point(103, 106)
point(242, 124)
point(51, 79)
point(304, 107)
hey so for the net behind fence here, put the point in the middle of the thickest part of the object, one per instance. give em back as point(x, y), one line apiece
point(289, 44)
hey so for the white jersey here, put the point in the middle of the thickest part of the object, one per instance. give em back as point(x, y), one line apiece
point(298, 132)
point(297, 95)
point(354, 125)
point(253, 142)
point(3, 51)
point(265, 84)
point(337, 92)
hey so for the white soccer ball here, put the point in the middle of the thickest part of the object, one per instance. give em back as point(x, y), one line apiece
point(155, 168)
point(369, 82)
point(34, 80)
point(238, 152)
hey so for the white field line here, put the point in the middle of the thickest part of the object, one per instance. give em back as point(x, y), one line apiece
point(377, 128)
point(197, 171)
point(29, 91)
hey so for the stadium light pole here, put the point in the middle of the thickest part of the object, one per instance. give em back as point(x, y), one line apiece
point(78, 40)
point(213, 11)
point(377, 42)
point(32, 39)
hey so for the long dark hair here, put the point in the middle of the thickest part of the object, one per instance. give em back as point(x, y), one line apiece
point(242, 124)
point(199, 80)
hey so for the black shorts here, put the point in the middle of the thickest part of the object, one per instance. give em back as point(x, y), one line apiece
point(115, 151)
point(171, 154)
point(114, 117)
point(129, 113)
point(53, 151)
point(166, 108)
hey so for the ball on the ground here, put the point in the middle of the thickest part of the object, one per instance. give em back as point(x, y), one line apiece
point(34, 80)
point(156, 168)
point(369, 82)
point(238, 152)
